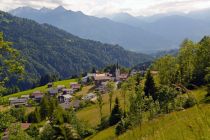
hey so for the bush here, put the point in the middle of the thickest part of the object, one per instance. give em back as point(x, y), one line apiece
point(33, 130)
point(190, 102)
point(104, 124)
point(122, 126)
point(207, 99)
point(19, 113)
point(191, 86)
point(47, 133)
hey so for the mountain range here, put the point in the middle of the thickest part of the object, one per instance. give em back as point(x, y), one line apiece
point(145, 34)
point(100, 29)
point(171, 26)
point(47, 49)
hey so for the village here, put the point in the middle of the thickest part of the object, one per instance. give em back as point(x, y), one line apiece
point(66, 95)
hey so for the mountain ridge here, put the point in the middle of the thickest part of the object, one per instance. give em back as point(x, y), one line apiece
point(100, 29)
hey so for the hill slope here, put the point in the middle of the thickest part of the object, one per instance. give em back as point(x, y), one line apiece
point(101, 29)
point(192, 123)
point(48, 49)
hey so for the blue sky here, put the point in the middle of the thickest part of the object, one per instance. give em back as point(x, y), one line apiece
point(106, 7)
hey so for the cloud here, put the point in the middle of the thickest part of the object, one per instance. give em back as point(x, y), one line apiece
point(175, 6)
point(106, 7)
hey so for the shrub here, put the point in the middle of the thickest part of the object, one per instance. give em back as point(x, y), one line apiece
point(104, 124)
point(190, 102)
point(33, 130)
point(191, 86)
point(122, 126)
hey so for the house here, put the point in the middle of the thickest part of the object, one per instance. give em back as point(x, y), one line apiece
point(133, 72)
point(68, 91)
point(123, 77)
point(91, 74)
point(60, 88)
point(154, 72)
point(75, 86)
point(102, 89)
point(37, 96)
point(25, 126)
point(99, 78)
point(50, 85)
point(65, 105)
point(18, 102)
point(88, 97)
point(12, 98)
point(25, 97)
point(53, 92)
point(75, 104)
point(84, 79)
point(64, 98)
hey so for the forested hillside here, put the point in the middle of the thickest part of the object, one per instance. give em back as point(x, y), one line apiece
point(47, 49)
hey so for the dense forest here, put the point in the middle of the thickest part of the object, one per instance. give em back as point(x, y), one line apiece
point(49, 50)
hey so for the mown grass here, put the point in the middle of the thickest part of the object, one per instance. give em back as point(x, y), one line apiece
point(189, 124)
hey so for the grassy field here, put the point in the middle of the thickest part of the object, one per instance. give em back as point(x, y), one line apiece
point(91, 114)
point(189, 124)
point(42, 88)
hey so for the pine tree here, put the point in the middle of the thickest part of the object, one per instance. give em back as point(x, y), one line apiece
point(44, 107)
point(110, 88)
point(149, 87)
point(100, 103)
point(116, 114)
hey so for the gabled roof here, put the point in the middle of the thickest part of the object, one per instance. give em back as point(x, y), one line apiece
point(37, 94)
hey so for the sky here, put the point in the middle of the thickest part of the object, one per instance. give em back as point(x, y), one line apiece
point(107, 7)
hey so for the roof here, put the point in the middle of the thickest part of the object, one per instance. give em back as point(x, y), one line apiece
point(37, 94)
point(101, 77)
point(76, 86)
point(50, 84)
point(123, 76)
point(73, 83)
point(61, 86)
point(24, 96)
point(65, 105)
point(67, 90)
point(20, 100)
point(90, 94)
point(154, 72)
point(25, 126)
point(12, 98)
point(53, 91)
point(67, 96)
point(75, 104)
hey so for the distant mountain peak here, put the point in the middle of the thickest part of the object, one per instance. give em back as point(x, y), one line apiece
point(60, 9)
point(44, 9)
point(21, 9)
